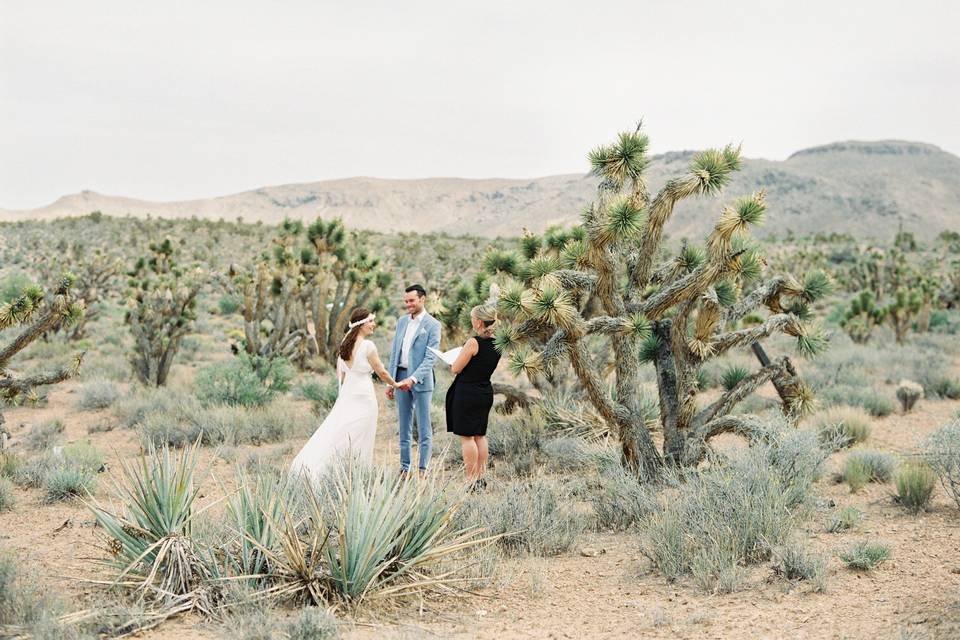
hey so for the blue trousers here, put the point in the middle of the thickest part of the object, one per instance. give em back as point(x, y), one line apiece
point(409, 402)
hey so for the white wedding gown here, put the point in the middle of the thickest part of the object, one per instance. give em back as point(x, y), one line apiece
point(350, 429)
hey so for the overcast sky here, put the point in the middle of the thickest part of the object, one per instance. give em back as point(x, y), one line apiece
point(175, 100)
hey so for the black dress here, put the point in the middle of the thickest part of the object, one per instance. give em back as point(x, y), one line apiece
point(470, 397)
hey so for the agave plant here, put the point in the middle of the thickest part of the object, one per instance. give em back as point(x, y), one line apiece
point(150, 537)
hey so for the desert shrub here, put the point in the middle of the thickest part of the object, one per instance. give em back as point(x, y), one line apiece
point(864, 556)
point(843, 520)
point(253, 623)
point(876, 404)
point(12, 286)
point(946, 388)
point(44, 435)
point(843, 426)
point(22, 603)
point(98, 394)
point(915, 484)
point(223, 424)
point(621, 501)
point(244, 381)
point(514, 436)
point(941, 449)
point(6, 494)
point(85, 456)
point(313, 623)
point(732, 512)
point(322, 395)
point(531, 517)
point(67, 481)
point(32, 472)
point(568, 454)
point(133, 409)
point(794, 562)
point(855, 475)
point(732, 375)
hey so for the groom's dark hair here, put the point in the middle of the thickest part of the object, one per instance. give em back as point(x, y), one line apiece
point(418, 288)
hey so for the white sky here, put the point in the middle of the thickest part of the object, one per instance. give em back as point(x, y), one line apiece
point(175, 100)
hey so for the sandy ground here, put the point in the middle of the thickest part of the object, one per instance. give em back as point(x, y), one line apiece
point(613, 595)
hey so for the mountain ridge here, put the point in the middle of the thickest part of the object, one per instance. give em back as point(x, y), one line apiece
point(865, 188)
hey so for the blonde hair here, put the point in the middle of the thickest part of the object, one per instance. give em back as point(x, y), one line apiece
point(487, 312)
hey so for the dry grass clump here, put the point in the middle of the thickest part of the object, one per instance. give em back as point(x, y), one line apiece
point(863, 555)
point(915, 484)
point(845, 519)
point(843, 426)
point(865, 465)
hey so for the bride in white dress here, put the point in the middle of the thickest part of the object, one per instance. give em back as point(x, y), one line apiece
point(349, 430)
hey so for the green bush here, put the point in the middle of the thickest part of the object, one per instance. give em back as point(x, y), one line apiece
point(9, 463)
point(915, 484)
point(865, 466)
point(942, 451)
point(65, 482)
point(568, 454)
point(243, 381)
point(22, 602)
point(322, 395)
point(846, 518)
point(228, 305)
point(864, 556)
point(12, 286)
point(6, 494)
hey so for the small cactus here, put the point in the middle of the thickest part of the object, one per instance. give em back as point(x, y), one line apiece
point(908, 393)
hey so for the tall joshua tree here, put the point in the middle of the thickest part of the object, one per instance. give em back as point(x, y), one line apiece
point(36, 315)
point(161, 308)
point(96, 271)
point(677, 314)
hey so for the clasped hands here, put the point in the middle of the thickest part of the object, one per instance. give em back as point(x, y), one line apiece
point(404, 385)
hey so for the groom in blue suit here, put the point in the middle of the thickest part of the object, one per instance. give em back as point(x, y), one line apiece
point(411, 364)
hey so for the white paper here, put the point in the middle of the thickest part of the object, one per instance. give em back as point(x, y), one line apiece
point(447, 356)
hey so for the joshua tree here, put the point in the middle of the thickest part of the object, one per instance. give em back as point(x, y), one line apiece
point(861, 317)
point(676, 314)
point(269, 300)
point(341, 275)
point(95, 272)
point(161, 308)
point(36, 315)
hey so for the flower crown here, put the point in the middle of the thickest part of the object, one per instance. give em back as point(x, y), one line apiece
point(369, 318)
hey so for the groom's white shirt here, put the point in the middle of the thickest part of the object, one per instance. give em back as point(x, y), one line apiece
point(408, 337)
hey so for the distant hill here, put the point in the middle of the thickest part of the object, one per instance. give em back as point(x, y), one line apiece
point(861, 188)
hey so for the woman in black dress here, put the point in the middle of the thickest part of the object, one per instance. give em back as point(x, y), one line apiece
point(470, 397)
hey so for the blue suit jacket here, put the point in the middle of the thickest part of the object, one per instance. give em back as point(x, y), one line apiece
point(421, 358)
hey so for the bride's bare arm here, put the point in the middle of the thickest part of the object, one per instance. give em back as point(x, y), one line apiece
point(374, 359)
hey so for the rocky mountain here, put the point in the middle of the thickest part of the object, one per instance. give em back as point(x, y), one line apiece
point(862, 188)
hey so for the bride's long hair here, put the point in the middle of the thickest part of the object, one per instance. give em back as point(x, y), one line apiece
point(350, 339)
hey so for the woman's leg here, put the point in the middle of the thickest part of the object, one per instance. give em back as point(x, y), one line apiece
point(469, 448)
point(483, 453)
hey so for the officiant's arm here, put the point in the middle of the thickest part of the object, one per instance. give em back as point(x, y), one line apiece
point(374, 359)
point(469, 350)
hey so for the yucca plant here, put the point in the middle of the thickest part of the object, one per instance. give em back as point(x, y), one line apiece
point(387, 530)
point(253, 511)
point(606, 285)
point(150, 536)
